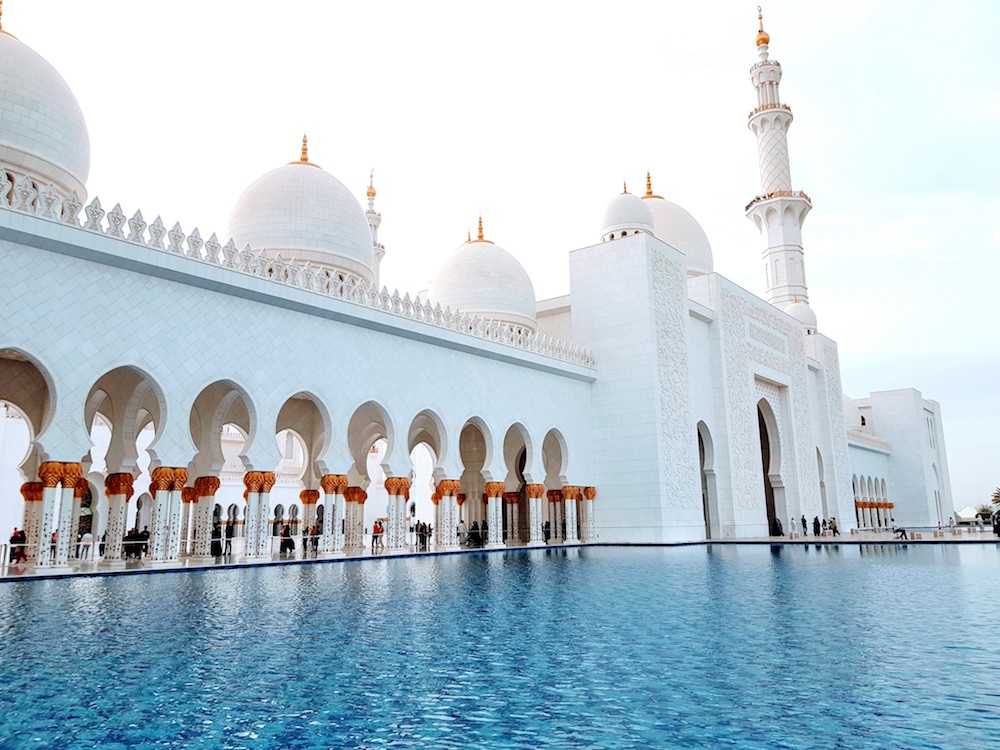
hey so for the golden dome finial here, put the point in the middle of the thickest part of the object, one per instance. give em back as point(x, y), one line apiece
point(762, 36)
point(480, 236)
point(305, 150)
point(649, 185)
point(470, 238)
point(624, 187)
point(371, 184)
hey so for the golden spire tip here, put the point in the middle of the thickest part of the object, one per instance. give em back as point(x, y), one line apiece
point(480, 237)
point(624, 187)
point(371, 184)
point(762, 36)
point(305, 146)
point(649, 185)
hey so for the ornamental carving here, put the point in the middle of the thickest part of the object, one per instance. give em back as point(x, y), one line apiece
point(334, 484)
point(207, 486)
point(535, 490)
point(81, 489)
point(253, 480)
point(494, 489)
point(119, 484)
point(32, 492)
point(163, 479)
point(590, 492)
point(571, 492)
point(268, 481)
point(435, 498)
point(309, 497)
point(460, 498)
point(512, 498)
point(180, 479)
point(50, 473)
point(71, 474)
point(554, 496)
point(449, 487)
point(189, 495)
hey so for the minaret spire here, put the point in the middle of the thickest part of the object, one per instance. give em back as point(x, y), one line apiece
point(374, 222)
point(778, 210)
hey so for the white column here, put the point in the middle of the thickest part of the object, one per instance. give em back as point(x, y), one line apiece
point(163, 480)
point(253, 480)
point(569, 509)
point(332, 541)
point(535, 492)
point(65, 541)
point(494, 514)
point(32, 492)
point(176, 501)
point(589, 531)
point(264, 527)
point(42, 542)
point(74, 529)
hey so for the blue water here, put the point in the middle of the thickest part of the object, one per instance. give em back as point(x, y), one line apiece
point(799, 647)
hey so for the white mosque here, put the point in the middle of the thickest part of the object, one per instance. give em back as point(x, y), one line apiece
point(655, 402)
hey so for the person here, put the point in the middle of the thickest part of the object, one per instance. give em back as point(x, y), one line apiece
point(285, 544)
point(823, 526)
point(776, 529)
point(104, 541)
point(791, 526)
point(144, 540)
point(376, 535)
point(216, 541)
point(86, 542)
point(979, 522)
point(314, 532)
point(484, 534)
point(834, 526)
point(463, 532)
point(474, 534)
point(55, 541)
point(14, 545)
point(951, 524)
point(996, 523)
point(546, 531)
point(305, 542)
point(805, 526)
point(898, 531)
point(816, 526)
point(230, 530)
point(421, 536)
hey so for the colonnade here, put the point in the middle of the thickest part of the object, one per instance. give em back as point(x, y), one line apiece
point(182, 514)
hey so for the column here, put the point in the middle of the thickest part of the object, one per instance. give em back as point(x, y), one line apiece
point(189, 504)
point(79, 492)
point(159, 488)
point(119, 488)
point(264, 529)
point(334, 514)
point(510, 503)
point(180, 477)
point(535, 493)
point(252, 480)
point(447, 533)
point(436, 502)
point(399, 492)
point(494, 514)
point(201, 517)
point(309, 499)
point(71, 474)
point(32, 492)
point(555, 505)
point(354, 520)
point(570, 495)
point(50, 473)
point(589, 531)
point(459, 502)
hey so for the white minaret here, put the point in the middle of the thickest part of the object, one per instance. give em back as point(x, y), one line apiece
point(374, 219)
point(779, 210)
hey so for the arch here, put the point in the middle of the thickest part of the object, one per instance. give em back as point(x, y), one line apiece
point(516, 441)
point(279, 519)
point(130, 399)
point(28, 385)
point(428, 428)
point(822, 483)
point(555, 459)
point(770, 452)
point(475, 447)
point(370, 422)
point(709, 494)
point(218, 404)
point(306, 415)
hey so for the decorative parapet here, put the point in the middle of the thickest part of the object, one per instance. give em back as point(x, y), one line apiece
point(22, 196)
point(766, 107)
point(779, 194)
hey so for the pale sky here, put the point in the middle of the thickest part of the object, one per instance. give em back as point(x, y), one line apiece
point(533, 113)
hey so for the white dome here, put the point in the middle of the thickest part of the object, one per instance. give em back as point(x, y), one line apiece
point(483, 279)
point(626, 213)
point(680, 230)
point(802, 313)
point(305, 214)
point(42, 130)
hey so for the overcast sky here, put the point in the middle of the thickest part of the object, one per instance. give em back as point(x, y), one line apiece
point(533, 113)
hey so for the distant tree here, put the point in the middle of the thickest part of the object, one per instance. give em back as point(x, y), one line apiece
point(996, 496)
point(984, 511)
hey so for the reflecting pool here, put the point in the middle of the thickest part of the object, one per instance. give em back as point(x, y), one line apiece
point(720, 646)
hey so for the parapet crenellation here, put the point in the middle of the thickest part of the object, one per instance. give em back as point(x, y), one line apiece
point(46, 202)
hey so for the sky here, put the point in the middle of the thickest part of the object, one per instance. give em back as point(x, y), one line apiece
point(533, 114)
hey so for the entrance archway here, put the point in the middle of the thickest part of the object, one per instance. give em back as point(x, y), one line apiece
point(706, 463)
point(770, 459)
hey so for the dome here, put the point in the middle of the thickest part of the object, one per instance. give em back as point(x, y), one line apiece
point(802, 313)
point(626, 214)
point(679, 229)
point(483, 279)
point(42, 130)
point(305, 214)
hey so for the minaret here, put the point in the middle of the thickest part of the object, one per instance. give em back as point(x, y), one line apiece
point(374, 220)
point(779, 210)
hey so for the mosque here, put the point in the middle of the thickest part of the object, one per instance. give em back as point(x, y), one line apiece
point(655, 402)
